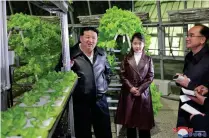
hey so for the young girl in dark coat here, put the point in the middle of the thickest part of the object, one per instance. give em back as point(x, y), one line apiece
point(135, 110)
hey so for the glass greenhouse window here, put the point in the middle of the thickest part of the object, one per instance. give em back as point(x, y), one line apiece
point(176, 51)
point(170, 6)
point(197, 4)
point(174, 40)
point(151, 8)
point(205, 4)
point(147, 6)
point(153, 48)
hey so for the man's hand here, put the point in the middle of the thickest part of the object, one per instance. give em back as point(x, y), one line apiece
point(198, 99)
point(202, 90)
point(184, 82)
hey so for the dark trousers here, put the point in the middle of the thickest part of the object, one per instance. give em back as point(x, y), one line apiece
point(95, 113)
point(200, 123)
point(131, 133)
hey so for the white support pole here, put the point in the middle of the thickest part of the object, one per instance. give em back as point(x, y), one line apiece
point(109, 3)
point(5, 80)
point(30, 9)
point(89, 7)
point(185, 30)
point(65, 41)
point(132, 6)
point(71, 118)
point(66, 65)
point(161, 39)
point(73, 29)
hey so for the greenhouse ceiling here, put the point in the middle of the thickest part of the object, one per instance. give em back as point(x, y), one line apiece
point(167, 37)
point(86, 8)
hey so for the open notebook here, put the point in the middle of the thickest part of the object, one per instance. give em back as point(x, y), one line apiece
point(190, 109)
point(188, 92)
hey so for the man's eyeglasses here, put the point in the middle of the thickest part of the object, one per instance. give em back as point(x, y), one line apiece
point(191, 35)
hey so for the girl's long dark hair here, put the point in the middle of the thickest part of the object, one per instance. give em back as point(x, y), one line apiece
point(138, 36)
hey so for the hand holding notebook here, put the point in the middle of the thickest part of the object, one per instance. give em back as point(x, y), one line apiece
point(188, 92)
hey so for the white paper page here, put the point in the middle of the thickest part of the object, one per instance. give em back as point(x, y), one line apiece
point(188, 92)
point(180, 78)
point(184, 98)
point(190, 109)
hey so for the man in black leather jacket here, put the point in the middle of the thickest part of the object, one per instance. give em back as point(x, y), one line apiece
point(89, 100)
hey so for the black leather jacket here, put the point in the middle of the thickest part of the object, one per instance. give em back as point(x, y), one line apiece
point(93, 78)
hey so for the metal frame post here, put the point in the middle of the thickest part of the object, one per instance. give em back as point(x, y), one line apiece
point(5, 78)
point(71, 118)
point(73, 31)
point(185, 30)
point(161, 40)
point(66, 65)
point(109, 3)
point(89, 7)
point(65, 41)
point(30, 9)
point(10, 6)
point(132, 6)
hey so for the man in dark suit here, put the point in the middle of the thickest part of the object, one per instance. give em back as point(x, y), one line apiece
point(196, 68)
point(200, 122)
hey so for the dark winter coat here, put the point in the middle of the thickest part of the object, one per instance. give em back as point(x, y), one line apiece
point(136, 111)
point(197, 69)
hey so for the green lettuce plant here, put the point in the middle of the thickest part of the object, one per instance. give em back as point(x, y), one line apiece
point(119, 22)
point(155, 98)
point(39, 49)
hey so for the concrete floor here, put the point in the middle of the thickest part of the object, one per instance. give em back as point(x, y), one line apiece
point(165, 121)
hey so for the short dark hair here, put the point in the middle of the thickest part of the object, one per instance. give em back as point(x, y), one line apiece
point(89, 29)
point(139, 36)
point(204, 31)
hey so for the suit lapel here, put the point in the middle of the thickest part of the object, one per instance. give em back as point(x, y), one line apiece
point(132, 62)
